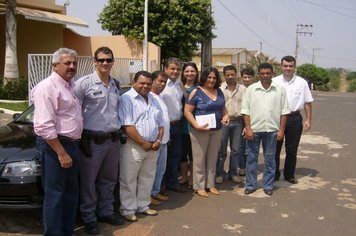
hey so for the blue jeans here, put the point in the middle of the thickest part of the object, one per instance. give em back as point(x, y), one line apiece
point(174, 156)
point(160, 169)
point(269, 143)
point(231, 132)
point(61, 189)
point(242, 154)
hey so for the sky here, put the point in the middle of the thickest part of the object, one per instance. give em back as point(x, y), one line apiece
point(268, 25)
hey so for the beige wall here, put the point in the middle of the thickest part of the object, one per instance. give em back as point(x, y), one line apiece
point(121, 46)
point(32, 37)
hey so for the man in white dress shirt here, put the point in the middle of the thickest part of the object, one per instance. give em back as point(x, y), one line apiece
point(299, 98)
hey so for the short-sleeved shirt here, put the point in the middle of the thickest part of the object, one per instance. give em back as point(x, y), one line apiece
point(265, 106)
point(100, 103)
point(172, 96)
point(146, 117)
point(166, 134)
point(298, 91)
point(233, 99)
point(206, 106)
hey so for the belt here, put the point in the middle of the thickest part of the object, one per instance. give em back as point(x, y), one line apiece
point(102, 134)
point(235, 118)
point(66, 139)
point(293, 113)
point(175, 122)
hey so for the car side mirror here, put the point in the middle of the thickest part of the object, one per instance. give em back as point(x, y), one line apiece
point(16, 115)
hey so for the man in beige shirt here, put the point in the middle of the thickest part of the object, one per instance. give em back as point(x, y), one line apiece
point(233, 93)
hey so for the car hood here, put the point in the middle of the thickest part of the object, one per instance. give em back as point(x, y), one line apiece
point(17, 143)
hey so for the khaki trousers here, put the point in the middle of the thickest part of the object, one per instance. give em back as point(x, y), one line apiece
point(205, 147)
point(137, 173)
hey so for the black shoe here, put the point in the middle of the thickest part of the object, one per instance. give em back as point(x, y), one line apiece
point(113, 220)
point(91, 228)
point(268, 192)
point(249, 191)
point(178, 189)
point(292, 180)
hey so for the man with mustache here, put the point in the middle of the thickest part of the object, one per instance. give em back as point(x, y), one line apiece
point(58, 122)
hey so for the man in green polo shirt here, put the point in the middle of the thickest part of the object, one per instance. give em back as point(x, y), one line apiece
point(264, 106)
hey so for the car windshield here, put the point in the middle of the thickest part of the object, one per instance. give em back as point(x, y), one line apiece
point(26, 116)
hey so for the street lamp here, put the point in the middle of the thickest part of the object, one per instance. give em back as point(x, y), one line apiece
point(145, 26)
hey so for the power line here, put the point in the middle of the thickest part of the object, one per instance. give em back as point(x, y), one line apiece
point(326, 8)
point(251, 30)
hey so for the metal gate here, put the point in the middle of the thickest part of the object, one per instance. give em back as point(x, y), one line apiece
point(40, 67)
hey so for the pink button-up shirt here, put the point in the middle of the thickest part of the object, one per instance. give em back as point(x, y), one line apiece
point(57, 109)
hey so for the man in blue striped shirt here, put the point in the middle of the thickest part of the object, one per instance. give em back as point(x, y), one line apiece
point(142, 120)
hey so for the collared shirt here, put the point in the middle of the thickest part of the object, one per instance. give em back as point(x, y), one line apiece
point(298, 91)
point(100, 103)
point(57, 109)
point(233, 99)
point(265, 106)
point(164, 108)
point(172, 96)
point(146, 117)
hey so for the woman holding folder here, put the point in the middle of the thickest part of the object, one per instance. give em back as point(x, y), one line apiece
point(206, 112)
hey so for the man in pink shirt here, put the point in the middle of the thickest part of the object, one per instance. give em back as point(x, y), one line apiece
point(58, 123)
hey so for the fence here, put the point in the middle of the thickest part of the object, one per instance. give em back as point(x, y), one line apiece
point(40, 67)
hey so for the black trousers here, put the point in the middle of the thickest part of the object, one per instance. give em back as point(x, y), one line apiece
point(292, 134)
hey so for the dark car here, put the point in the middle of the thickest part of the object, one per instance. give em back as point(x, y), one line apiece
point(20, 164)
point(20, 168)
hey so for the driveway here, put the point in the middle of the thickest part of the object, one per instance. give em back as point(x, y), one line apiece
point(322, 203)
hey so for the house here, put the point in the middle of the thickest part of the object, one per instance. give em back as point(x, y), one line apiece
point(42, 29)
point(221, 57)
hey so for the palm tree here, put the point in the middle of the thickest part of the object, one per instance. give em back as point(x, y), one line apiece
point(258, 58)
point(11, 70)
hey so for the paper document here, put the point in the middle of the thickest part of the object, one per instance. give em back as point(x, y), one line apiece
point(206, 119)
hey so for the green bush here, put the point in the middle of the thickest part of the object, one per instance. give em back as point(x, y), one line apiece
point(14, 90)
point(352, 86)
point(351, 76)
point(334, 82)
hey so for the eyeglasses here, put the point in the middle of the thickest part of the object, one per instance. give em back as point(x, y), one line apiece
point(102, 60)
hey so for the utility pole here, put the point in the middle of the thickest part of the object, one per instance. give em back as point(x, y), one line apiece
point(301, 30)
point(206, 50)
point(260, 47)
point(314, 52)
point(145, 33)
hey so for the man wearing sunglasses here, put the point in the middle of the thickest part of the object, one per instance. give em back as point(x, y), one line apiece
point(99, 155)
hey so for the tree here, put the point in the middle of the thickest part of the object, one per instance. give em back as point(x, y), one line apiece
point(256, 60)
point(335, 78)
point(176, 26)
point(11, 70)
point(351, 76)
point(316, 75)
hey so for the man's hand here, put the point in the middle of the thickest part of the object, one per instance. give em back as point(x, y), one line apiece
point(146, 146)
point(307, 125)
point(156, 145)
point(280, 135)
point(249, 134)
point(65, 160)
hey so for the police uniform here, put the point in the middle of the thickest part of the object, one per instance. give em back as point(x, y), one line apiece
point(99, 155)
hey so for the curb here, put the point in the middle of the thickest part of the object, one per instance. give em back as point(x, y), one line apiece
point(10, 112)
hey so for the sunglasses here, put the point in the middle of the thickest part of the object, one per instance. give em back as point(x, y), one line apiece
point(102, 60)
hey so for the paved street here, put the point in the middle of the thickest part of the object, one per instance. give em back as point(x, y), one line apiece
point(322, 203)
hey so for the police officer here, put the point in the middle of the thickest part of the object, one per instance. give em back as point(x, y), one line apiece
point(99, 155)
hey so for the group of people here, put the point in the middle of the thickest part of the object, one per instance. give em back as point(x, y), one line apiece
point(92, 139)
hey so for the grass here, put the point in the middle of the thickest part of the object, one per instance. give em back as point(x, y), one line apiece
point(14, 106)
